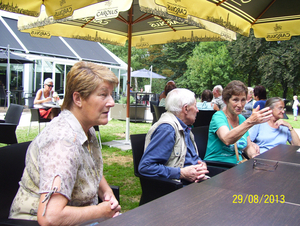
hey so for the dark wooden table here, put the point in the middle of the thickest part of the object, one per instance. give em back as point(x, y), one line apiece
point(239, 196)
point(282, 153)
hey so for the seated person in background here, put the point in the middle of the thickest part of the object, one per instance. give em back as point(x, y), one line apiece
point(162, 97)
point(63, 176)
point(260, 95)
point(218, 100)
point(45, 95)
point(276, 131)
point(249, 105)
point(170, 149)
point(206, 103)
point(228, 129)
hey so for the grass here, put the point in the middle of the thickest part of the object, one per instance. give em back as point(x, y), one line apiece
point(118, 164)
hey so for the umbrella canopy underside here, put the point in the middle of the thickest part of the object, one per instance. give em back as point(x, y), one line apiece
point(271, 19)
point(147, 29)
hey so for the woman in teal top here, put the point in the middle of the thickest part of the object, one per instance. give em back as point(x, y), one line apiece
point(228, 126)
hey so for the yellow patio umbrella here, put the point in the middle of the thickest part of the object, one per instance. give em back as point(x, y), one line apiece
point(273, 20)
point(56, 8)
point(141, 22)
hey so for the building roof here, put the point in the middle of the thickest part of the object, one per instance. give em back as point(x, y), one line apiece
point(55, 46)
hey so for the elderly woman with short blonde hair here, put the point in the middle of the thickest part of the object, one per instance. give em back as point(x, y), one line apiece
point(63, 176)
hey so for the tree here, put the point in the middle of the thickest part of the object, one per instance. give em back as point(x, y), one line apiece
point(280, 63)
point(209, 65)
point(245, 52)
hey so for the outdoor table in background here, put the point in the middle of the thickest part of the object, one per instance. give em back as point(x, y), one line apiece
point(238, 196)
point(18, 95)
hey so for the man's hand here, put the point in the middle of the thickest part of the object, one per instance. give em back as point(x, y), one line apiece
point(194, 173)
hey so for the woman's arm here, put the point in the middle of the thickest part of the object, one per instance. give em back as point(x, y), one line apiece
point(37, 99)
point(252, 149)
point(231, 136)
point(216, 108)
point(294, 135)
point(55, 210)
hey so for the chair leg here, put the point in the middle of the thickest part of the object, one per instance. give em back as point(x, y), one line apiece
point(29, 128)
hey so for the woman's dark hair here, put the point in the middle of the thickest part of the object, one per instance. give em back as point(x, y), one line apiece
point(169, 86)
point(234, 87)
point(207, 95)
point(260, 92)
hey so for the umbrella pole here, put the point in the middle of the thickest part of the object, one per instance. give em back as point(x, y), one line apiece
point(128, 74)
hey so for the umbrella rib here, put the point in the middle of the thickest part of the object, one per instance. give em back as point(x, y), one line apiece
point(263, 12)
point(122, 19)
point(166, 23)
point(219, 3)
point(82, 26)
point(142, 18)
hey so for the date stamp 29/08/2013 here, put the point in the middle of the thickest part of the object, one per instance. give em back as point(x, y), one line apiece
point(257, 199)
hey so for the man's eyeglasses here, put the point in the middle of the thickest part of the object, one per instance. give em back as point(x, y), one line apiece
point(49, 85)
point(262, 166)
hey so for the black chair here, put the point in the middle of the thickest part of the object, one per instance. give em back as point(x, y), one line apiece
point(9, 125)
point(201, 138)
point(159, 110)
point(203, 118)
point(12, 163)
point(35, 115)
point(99, 135)
point(152, 103)
point(152, 187)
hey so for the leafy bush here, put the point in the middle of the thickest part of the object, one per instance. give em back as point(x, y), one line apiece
point(123, 100)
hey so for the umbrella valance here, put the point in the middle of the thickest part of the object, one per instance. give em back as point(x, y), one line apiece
point(270, 19)
point(56, 8)
point(144, 73)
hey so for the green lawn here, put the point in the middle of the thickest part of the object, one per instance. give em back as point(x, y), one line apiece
point(118, 165)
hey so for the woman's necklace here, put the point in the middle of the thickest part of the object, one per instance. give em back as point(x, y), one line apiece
point(232, 123)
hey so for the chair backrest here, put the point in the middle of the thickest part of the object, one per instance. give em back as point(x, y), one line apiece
point(12, 164)
point(203, 118)
point(137, 145)
point(153, 103)
point(201, 138)
point(13, 114)
point(158, 111)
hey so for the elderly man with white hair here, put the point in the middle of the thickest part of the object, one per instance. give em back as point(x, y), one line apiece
point(170, 148)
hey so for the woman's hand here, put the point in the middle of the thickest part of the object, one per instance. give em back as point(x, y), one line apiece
point(107, 209)
point(283, 123)
point(114, 204)
point(260, 116)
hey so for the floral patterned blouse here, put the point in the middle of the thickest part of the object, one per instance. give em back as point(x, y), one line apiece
point(61, 149)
